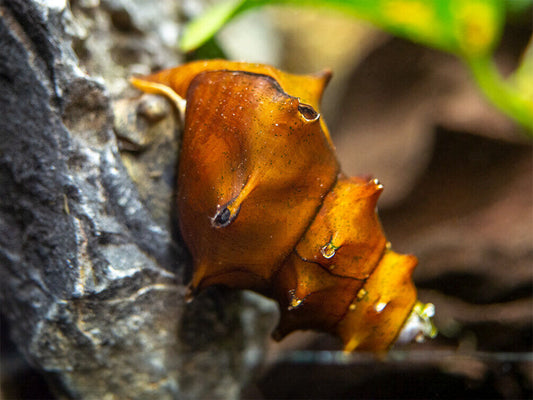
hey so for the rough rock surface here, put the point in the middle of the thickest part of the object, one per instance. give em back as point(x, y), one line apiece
point(90, 271)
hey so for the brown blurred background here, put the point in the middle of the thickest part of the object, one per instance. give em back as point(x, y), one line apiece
point(458, 179)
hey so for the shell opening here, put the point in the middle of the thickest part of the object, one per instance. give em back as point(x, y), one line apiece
point(308, 112)
point(419, 324)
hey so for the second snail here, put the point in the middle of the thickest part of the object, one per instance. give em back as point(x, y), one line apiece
point(263, 205)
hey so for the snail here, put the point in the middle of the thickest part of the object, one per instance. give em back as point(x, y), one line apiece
point(263, 205)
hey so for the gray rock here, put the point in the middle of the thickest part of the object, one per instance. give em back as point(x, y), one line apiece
point(90, 272)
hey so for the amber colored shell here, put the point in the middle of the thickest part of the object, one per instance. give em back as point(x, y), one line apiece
point(381, 307)
point(337, 254)
point(308, 88)
point(346, 236)
point(268, 170)
point(262, 205)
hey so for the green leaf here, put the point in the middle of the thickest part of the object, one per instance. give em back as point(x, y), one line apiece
point(523, 76)
point(469, 28)
point(207, 51)
point(505, 94)
point(204, 28)
point(517, 7)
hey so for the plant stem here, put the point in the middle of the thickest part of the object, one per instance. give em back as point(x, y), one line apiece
point(501, 93)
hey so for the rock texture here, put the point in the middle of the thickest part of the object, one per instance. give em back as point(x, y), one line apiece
point(90, 272)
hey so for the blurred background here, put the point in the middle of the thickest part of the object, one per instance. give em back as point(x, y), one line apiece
point(458, 177)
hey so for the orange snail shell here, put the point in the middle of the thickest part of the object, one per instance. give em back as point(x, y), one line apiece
point(262, 205)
